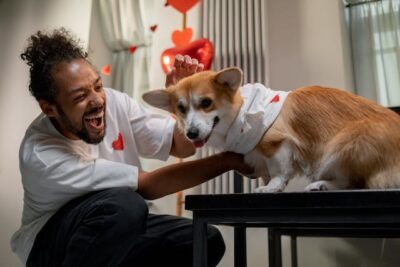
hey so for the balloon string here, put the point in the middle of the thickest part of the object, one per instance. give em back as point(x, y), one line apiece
point(184, 21)
point(179, 198)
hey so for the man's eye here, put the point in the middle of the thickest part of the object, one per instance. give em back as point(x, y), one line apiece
point(181, 109)
point(79, 98)
point(99, 87)
point(205, 103)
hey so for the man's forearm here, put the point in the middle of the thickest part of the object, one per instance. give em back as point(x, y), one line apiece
point(181, 146)
point(180, 176)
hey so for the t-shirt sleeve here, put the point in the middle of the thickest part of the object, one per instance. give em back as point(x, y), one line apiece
point(52, 171)
point(152, 131)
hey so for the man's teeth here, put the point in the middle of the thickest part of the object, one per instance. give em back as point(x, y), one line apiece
point(93, 117)
point(95, 120)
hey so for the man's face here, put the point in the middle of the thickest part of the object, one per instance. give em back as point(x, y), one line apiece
point(80, 102)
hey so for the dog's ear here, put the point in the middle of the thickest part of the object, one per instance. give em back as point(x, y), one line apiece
point(231, 77)
point(158, 98)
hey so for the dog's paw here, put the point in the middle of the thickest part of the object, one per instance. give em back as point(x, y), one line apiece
point(319, 186)
point(267, 189)
point(276, 184)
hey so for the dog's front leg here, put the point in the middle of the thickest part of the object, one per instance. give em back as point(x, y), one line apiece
point(279, 168)
point(276, 184)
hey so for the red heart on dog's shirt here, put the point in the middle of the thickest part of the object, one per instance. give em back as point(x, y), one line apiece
point(275, 99)
point(119, 143)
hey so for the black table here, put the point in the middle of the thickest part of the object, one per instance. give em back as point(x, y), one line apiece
point(358, 213)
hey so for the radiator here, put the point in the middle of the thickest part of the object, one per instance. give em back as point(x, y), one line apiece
point(237, 28)
point(224, 184)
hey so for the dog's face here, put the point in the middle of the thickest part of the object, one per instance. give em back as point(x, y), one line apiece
point(200, 101)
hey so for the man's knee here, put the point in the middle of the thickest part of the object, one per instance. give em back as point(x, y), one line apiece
point(124, 206)
point(216, 246)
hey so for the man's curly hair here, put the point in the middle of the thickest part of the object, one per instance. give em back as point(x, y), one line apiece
point(44, 51)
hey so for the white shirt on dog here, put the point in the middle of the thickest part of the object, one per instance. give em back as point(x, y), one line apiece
point(261, 106)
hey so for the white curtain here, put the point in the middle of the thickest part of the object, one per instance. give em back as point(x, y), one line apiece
point(125, 23)
point(375, 40)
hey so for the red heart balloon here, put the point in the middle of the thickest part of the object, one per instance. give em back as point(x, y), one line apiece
point(201, 49)
point(182, 5)
point(182, 38)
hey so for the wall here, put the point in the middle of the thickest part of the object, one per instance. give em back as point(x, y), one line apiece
point(308, 44)
point(19, 19)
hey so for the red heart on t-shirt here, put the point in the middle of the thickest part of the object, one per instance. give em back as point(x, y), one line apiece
point(275, 99)
point(119, 143)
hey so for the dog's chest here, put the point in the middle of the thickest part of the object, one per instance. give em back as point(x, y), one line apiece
point(258, 161)
point(283, 163)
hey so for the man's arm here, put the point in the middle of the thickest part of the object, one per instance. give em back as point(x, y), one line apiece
point(181, 146)
point(184, 66)
point(180, 176)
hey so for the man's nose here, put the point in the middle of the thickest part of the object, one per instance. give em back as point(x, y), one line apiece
point(96, 99)
point(192, 133)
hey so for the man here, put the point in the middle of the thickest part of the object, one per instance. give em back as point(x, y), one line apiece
point(84, 189)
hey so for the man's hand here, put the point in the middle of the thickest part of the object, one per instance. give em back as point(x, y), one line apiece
point(179, 176)
point(184, 66)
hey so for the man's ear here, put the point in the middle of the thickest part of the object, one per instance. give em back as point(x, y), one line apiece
point(48, 109)
point(158, 98)
point(231, 77)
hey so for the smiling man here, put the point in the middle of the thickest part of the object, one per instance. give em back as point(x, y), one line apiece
point(84, 187)
point(86, 110)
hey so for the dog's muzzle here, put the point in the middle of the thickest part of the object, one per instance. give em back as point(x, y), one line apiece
point(216, 120)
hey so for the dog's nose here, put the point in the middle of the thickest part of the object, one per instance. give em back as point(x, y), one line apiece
point(193, 133)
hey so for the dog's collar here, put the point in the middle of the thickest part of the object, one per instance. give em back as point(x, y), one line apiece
point(261, 106)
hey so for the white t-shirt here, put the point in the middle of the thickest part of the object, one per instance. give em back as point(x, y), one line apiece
point(56, 169)
point(261, 106)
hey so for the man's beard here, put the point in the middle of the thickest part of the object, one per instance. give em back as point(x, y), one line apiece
point(82, 133)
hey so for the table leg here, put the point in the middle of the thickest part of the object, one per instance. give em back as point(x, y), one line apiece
point(240, 247)
point(293, 246)
point(274, 248)
point(199, 243)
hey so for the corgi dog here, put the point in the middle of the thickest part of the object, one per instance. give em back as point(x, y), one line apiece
point(336, 139)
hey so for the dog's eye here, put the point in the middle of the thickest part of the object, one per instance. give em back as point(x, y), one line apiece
point(181, 108)
point(205, 103)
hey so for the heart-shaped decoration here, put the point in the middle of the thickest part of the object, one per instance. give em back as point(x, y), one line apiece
point(182, 5)
point(132, 49)
point(118, 144)
point(201, 49)
point(106, 70)
point(182, 38)
point(153, 28)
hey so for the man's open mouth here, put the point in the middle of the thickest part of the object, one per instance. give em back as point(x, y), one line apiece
point(95, 121)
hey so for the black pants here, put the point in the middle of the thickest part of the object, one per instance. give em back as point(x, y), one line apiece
point(113, 228)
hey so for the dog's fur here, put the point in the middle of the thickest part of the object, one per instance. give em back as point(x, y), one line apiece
point(335, 138)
